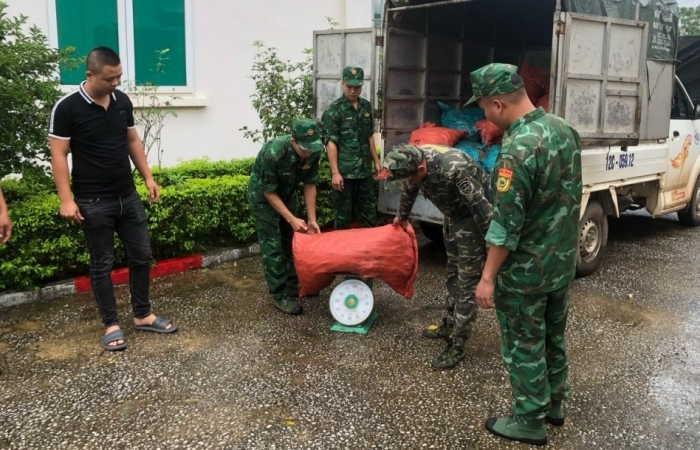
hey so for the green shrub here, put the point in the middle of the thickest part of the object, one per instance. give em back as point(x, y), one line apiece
point(203, 205)
point(201, 168)
point(43, 246)
point(199, 213)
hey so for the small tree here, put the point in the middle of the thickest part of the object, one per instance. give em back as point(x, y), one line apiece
point(29, 85)
point(151, 110)
point(690, 21)
point(283, 92)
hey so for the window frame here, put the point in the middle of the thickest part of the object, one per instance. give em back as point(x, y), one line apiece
point(127, 53)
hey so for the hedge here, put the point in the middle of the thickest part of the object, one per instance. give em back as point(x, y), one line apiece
point(202, 205)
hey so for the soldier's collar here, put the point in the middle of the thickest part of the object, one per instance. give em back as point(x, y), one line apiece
point(524, 120)
point(347, 104)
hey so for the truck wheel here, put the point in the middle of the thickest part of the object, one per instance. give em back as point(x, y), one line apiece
point(690, 216)
point(592, 239)
point(432, 231)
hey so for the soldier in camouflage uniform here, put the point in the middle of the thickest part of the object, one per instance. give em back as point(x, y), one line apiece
point(533, 243)
point(456, 184)
point(349, 132)
point(282, 164)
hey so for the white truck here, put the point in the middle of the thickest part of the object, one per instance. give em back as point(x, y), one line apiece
point(612, 78)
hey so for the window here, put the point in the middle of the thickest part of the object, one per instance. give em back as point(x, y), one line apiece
point(680, 106)
point(136, 29)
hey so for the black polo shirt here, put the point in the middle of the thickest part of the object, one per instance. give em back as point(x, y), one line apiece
point(101, 165)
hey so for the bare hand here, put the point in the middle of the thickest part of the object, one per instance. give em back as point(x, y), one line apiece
point(5, 227)
point(298, 225)
point(70, 211)
point(337, 181)
point(378, 166)
point(313, 228)
point(484, 294)
point(402, 223)
point(153, 190)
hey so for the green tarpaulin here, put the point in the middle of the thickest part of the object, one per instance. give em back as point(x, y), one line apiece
point(662, 16)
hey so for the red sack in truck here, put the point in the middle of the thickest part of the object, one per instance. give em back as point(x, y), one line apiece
point(389, 253)
point(543, 103)
point(489, 132)
point(536, 81)
point(429, 133)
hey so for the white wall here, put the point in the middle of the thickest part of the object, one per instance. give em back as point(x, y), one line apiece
point(358, 14)
point(224, 32)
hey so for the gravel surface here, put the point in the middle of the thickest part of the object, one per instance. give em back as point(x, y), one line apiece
point(240, 375)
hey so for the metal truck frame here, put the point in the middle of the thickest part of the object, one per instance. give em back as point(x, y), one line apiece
point(638, 125)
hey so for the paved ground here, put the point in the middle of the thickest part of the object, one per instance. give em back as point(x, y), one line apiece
point(240, 375)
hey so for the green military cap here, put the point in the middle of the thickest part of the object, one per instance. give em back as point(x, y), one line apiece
point(495, 79)
point(353, 76)
point(403, 161)
point(307, 134)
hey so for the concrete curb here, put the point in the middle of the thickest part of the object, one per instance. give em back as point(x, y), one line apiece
point(81, 285)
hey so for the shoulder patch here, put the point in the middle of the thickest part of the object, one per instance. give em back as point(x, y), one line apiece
point(465, 187)
point(504, 178)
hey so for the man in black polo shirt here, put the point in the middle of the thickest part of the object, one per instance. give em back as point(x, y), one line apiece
point(96, 124)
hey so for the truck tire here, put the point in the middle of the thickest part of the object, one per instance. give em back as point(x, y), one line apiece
point(432, 231)
point(592, 239)
point(690, 216)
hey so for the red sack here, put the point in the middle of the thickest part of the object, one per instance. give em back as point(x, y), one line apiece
point(389, 253)
point(536, 81)
point(429, 133)
point(490, 133)
point(543, 102)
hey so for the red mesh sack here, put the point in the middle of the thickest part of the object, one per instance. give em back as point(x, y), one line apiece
point(536, 81)
point(543, 102)
point(389, 253)
point(429, 133)
point(490, 133)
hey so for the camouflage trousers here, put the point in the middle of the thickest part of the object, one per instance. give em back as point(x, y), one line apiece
point(465, 260)
point(357, 199)
point(533, 348)
point(275, 237)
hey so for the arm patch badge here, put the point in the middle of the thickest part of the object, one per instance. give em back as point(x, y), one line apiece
point(465, 187)
point(503, 181)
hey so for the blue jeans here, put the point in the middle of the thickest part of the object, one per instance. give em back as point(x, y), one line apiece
point(127, 216)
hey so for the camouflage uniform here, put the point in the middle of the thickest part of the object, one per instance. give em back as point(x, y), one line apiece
point(350, 129)
point(537, 192)
point(457, 186)
point(278, 168)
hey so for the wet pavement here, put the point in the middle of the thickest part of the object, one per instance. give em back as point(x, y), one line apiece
point(240, 375)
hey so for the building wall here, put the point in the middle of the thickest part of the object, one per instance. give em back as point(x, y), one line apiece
point(224, 32)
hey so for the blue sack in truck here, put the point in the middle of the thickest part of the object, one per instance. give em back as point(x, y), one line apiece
point(474, 150)
point(484, 154)
point(462, 119)
point(490, 159)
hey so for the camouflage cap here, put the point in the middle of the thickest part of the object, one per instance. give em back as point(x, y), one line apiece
point(353, 76)
point(307, 135)
point(494, 79)
point(403, 161)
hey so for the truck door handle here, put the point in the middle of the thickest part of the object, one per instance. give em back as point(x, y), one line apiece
point(676, 134)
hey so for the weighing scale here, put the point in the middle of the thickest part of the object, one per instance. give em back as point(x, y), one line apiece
point(351, 305)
